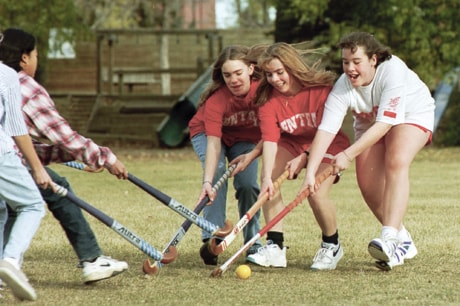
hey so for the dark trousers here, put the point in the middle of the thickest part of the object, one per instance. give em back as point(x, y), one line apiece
point(72, 220)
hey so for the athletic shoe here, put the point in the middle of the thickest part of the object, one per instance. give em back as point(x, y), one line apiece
point(17, 281)
point(103, 267)
point(208, 257)
point(408, 248)
point(396, 259)
point(382, 250)
point(253, 250)
point(270, 255)
point(327, 256)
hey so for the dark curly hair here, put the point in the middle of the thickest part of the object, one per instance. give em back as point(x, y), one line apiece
point(370, 44)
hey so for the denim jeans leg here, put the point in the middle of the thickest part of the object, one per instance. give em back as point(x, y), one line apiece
point(22, 195)
point(216, 212)
point(72, 220)
point(247, 190)
point(3, 232)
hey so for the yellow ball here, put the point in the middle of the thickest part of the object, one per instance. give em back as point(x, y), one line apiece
point(243, 272)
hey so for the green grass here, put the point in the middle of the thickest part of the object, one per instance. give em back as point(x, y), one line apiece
point(429, 279)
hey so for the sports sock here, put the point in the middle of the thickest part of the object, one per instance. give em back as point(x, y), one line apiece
point(389, 233)
point(403, 234)
point(276, 237)
point(334, 239)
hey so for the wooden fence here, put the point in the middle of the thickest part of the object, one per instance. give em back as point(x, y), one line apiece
point(116, 76)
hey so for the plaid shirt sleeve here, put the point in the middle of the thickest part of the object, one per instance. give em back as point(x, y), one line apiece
point(44, 122)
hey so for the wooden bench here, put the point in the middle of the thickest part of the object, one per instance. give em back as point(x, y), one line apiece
point(134, 76)
point(130, 77)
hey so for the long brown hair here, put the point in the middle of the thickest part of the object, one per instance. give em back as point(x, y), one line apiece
point(247, 55)
point(295, 65)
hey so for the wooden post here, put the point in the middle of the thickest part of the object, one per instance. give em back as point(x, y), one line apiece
point(111, 41)
point(99, 64)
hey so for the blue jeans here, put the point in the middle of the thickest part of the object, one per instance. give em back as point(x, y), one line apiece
point(18, 189)
point(245, 184)
point(71, 218)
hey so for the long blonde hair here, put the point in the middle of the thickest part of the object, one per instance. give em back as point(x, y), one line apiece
point(248, 55)
point(295, 65)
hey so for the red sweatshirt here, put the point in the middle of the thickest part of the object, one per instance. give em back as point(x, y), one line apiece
point(233, 119)
point(294, 120)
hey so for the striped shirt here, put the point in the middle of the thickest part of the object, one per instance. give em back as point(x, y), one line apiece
point(54, 139)
point(11, 118)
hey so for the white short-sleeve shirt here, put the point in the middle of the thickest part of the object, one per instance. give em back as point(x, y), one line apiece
point(396, 95)
point(11, 117)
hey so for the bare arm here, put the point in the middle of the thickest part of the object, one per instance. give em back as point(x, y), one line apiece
point(39, 173)
point(343, 159)
point(368, 139)
point(210, 165)
point(317, 150)
point(269, 154)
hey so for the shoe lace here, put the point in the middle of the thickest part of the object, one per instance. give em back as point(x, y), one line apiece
point(405, 245)
point(399, 253)
point(322, 254)
point(264, 249)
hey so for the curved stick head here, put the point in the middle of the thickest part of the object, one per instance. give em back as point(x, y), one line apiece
point(149, 268)
point(170, 255)
point(214, 247)
point(93, 170)
point(224, 231)
point(216, 272)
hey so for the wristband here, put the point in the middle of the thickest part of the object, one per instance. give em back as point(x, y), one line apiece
point(208, 182)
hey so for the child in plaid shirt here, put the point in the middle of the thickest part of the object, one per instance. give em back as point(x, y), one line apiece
point(18, 50)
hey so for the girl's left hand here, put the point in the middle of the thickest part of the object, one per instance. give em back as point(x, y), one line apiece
point(296, 165)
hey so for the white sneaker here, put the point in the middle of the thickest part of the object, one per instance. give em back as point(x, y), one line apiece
point(388, 253)
point(103, 267)
point(327, 256)
point(382, 250)
point(17, 281)
point(407, 248)
point(396, 259)
point(270, 255)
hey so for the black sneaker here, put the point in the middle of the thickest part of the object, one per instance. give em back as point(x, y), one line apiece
point(208, 257)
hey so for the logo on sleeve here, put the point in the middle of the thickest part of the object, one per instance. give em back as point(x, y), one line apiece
point(390, 112)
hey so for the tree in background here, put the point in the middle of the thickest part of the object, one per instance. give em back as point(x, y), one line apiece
point(254, 13)
point(38, 17)
point(82, 16)
point(424, 33)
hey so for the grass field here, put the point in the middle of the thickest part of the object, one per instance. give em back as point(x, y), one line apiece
point(432, 278)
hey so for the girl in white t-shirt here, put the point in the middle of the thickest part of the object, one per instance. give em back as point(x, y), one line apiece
point(393, 120)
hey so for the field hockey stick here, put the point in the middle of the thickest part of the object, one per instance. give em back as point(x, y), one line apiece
point(297, 200)
point(215, 248)
point(181, 209)
point(120, 229)
point(153, 268)
point(81, 166)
